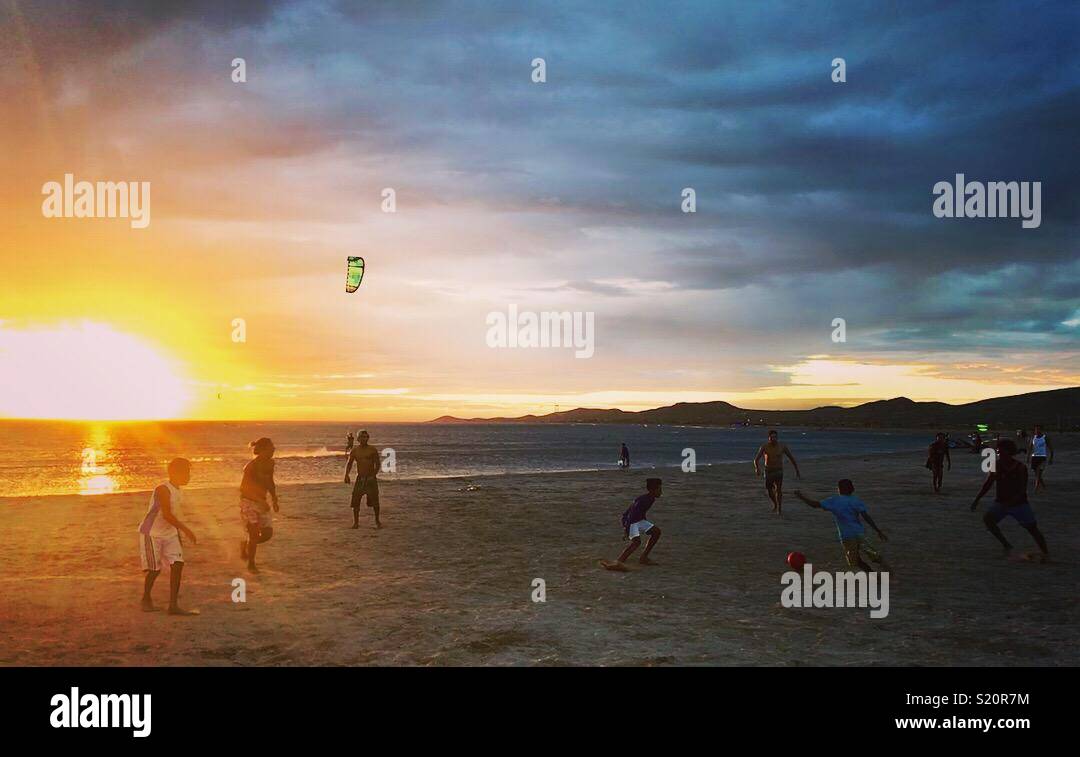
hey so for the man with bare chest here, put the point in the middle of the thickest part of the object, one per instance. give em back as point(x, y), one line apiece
point(774, 452)
point(368, 463)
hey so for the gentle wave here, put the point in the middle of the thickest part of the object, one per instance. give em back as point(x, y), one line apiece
point(321, 452)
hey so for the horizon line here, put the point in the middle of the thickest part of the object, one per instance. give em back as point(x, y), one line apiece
point(537, 415)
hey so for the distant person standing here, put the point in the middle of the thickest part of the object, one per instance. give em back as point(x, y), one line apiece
point(1010, 498)
point(257, 483)
point(624, 456)
point(1041, 455)
point(368, 463)
point(936, 459)
point(773, 452)
point(349, 442)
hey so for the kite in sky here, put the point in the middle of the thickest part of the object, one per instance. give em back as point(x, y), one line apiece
point(354, 273)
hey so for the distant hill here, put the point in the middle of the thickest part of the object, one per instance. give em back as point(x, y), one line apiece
point(1058, 409)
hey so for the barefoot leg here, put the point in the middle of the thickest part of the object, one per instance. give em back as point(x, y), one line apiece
point(654, 536)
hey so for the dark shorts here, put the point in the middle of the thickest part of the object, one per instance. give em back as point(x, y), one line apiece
point(773, 478)
point(1038, 462)
point(1022, 514)
point(368, 486)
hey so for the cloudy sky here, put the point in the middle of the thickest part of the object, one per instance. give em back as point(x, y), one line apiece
point(813, 203)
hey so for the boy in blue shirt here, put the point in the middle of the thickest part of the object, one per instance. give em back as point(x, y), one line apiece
point(849, 511)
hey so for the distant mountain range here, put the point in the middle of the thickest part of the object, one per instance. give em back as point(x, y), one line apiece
point(1056, 410)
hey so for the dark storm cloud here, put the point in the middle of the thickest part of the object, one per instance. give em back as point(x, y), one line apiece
point(803, 185)
point(64, 32)
point(797, 178)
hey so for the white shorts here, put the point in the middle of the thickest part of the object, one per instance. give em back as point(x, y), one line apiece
point(158, 551)
point(636, 529)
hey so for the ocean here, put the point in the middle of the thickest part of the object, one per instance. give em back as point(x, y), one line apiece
point(62, 457)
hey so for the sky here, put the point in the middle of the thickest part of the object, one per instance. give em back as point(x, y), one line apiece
point(813, 200)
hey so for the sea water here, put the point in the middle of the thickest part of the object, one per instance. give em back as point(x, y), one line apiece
point(60, 457)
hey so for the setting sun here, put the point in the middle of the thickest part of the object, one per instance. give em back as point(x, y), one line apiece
point(85, 371)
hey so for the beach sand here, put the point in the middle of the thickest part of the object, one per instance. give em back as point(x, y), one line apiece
point(448, 581)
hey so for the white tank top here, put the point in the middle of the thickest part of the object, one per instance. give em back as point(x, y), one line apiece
point(1038, 446)
point(153, 523)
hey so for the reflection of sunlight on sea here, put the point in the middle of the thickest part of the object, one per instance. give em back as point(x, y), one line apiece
point(97, 485)
point(95, 476)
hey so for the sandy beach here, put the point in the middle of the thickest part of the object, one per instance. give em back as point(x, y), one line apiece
point(448, 581)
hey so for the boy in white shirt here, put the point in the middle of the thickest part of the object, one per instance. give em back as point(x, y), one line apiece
point(1041, 455)
point(159, 537)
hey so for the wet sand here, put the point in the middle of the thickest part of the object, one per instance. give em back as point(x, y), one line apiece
point(448, 581)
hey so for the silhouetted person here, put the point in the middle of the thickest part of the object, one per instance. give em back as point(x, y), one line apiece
point(1041, 455)
point(368, 463)
point(774, 453)
point(1010, 498)
point(937, 457)
point(257, 483)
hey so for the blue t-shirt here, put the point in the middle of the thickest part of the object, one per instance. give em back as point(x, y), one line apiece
point(845, 509)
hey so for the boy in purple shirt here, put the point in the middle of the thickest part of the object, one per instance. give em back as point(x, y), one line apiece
point(634, 524)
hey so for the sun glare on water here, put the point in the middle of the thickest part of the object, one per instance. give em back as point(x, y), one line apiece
point(86, 371)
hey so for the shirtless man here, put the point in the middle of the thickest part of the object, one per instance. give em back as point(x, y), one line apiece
point(368, 463)
point(256, 484)
point(774, 452)
point(1010, 499)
